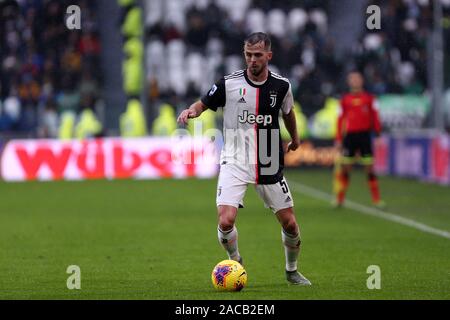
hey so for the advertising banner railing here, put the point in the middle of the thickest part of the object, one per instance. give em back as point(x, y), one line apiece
point(425, 156)
point(110, 158)
point(313, 152)
point(422, 156)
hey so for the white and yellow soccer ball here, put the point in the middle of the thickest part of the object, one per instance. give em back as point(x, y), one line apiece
point(229, 275)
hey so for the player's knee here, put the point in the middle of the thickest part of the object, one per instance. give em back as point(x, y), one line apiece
point(291, 226)
point(226, 219)
point(226, 224)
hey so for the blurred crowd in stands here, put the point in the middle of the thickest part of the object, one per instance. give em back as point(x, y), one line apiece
point(46, 69)
point(395, 59)
point(206, 38)
point(188, 44)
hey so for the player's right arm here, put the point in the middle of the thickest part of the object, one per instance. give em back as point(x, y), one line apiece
point(340, 125)
point(194, 111)
point(215, 98)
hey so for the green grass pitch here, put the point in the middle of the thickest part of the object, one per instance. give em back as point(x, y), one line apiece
point(158, 240)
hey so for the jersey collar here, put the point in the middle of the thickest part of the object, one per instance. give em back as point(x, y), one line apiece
point(251, 83)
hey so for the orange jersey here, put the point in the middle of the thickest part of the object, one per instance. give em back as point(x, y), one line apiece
point(358, 113)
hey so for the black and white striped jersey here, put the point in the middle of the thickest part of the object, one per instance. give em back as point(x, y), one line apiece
point(252, 142)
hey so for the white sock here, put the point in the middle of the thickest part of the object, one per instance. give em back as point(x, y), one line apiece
point(229, 240)
point(291, 249)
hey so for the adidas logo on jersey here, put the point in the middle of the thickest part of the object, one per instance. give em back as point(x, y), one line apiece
point(242, 100)
point(288, 199)
point(263, 119)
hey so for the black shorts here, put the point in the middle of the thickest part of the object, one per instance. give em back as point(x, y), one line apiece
point(357, 142)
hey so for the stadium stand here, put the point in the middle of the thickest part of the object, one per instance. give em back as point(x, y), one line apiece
point(205, 38)
point(46, 68)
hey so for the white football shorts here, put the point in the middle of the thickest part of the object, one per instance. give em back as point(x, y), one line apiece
point(231, 192)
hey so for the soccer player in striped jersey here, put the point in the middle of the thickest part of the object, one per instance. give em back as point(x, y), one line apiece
point(252, 100)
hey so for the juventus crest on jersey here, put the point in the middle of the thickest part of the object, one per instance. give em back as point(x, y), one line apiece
point(252, 142)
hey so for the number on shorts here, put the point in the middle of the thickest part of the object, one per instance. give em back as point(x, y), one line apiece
point(284, 186)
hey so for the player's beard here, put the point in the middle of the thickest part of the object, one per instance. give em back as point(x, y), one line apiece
point(256, 71)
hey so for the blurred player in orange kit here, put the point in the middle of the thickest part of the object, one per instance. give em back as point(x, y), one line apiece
point(357, 121)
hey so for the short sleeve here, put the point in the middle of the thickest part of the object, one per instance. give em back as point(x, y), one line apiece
point(288, 101)
point(215, 98)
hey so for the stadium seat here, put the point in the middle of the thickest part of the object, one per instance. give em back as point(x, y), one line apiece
point(233, 63)
point(276, 23)
point(297, 19)
point(154, 12)
point(195, 69)
point(256, 21)
point(319, 18)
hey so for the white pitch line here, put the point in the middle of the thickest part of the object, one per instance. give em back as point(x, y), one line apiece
point(317, 194)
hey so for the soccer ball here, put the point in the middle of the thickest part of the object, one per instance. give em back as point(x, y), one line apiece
point(229, 275)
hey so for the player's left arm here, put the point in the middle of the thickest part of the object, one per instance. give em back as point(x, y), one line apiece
point(340, 130)
point(291, 126)
point(289, 120)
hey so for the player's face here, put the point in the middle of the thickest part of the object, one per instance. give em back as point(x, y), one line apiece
point(257, 57)
point(355, 81)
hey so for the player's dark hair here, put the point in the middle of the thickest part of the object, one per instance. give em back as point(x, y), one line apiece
point(257, 37)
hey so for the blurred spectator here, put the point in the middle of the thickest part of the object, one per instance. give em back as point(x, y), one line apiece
point(197, 33)
point(166, 122)
point(131, 21)
point(67, 125)
point(69, 97)
point(132, 121)
point(132, 67)
point(10, 114)
point(88, 126)
point(49, 123)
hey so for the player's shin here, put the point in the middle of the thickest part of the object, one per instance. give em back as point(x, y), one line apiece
point(229, 240)
point(373, 186)
point(344, 178)
point(291, 249)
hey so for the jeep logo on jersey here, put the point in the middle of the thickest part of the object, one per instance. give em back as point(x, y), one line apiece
point(251, 118)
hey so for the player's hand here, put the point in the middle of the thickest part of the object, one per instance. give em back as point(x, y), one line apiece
point(293, 145)
point(185, 115)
